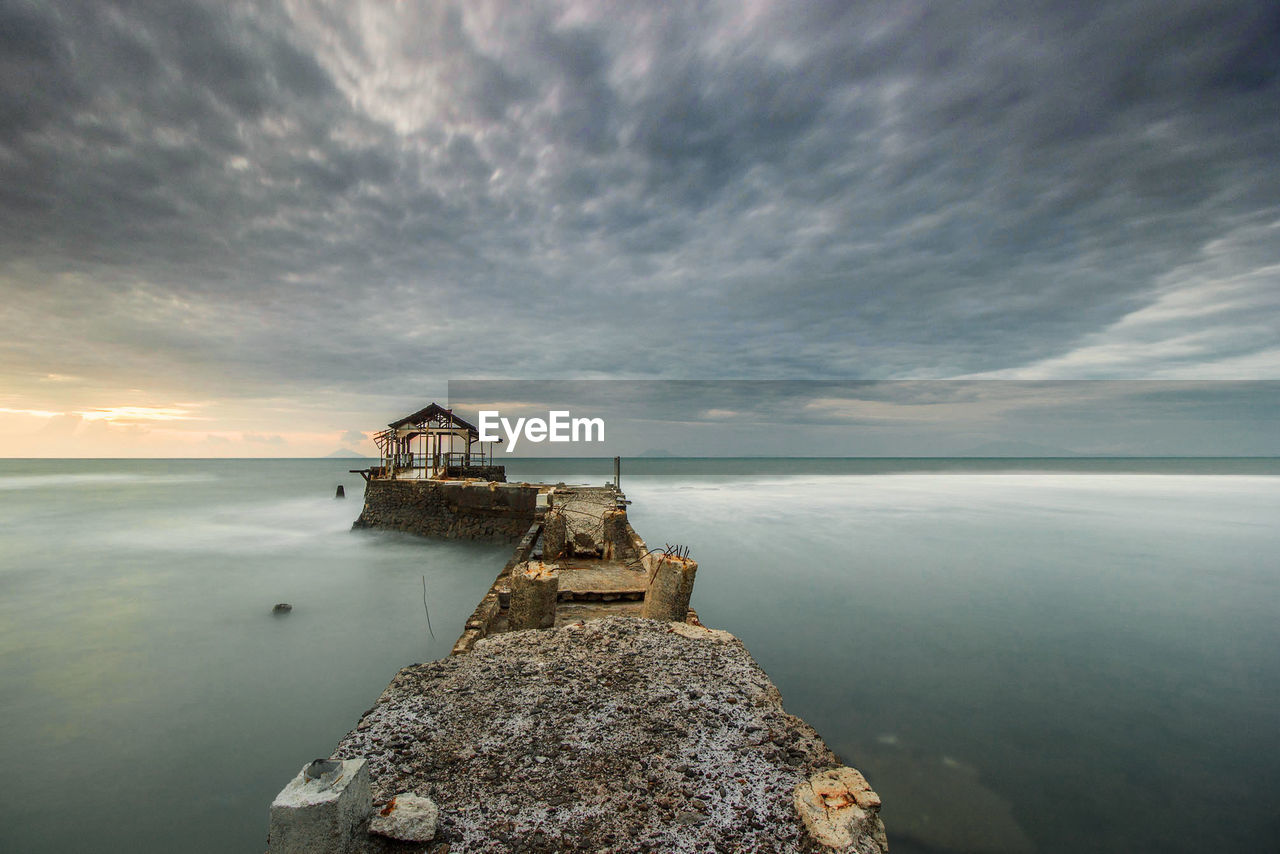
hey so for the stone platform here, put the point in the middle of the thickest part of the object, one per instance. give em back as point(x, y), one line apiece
point(587, 579)
point(614, 735)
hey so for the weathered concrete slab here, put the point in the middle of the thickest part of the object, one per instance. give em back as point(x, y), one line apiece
point(601, 576)
point(620, 734)
point(573, 612)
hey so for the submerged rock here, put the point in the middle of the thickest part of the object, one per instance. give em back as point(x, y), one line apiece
point(621, 734)
point(939, 803)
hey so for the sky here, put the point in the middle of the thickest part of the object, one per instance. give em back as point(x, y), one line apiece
point(876, 418)
point(266, 229)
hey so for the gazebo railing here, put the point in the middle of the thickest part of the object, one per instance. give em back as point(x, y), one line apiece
point(418, 465)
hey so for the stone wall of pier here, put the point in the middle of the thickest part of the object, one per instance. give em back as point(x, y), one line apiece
point(456, 510)
point(498, 473)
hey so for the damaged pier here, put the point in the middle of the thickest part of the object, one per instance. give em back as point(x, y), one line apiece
point(583, 708)
point(582, 560)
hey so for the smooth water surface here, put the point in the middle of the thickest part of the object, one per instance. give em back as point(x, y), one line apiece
point(1068, 656)
point(1046, 662)
point(151, 701)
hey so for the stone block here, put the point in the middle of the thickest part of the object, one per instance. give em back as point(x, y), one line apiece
point(555, 535)
point(321, 809)
point(838, 807)
point(617, 535)
point(670, 588)
point(534, 588)
point(406, 817)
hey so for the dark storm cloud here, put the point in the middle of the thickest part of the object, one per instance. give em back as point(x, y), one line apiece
point(269, 199)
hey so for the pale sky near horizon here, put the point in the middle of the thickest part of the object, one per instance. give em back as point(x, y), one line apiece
point(266, 229)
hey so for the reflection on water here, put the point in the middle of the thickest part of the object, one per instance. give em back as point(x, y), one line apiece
point(1053, 662)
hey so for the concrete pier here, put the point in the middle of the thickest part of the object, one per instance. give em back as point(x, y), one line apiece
point(584, 707)
point(615, 734)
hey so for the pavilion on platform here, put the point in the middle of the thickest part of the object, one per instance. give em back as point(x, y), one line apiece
point(433, 443)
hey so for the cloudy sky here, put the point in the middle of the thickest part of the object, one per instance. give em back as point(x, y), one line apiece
point(261, 228)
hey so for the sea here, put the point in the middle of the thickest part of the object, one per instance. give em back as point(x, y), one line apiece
point(1022, 655)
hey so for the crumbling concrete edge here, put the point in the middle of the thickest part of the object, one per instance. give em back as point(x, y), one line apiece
point(477, 625)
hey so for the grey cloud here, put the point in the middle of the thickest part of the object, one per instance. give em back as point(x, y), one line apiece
point(269, 439)
point(259, 200)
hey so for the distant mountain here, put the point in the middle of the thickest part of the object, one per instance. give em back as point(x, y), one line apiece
point(1014, 448)
point(345, 452)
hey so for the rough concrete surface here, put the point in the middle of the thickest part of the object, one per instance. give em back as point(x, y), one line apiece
point(534, 586)
point(583, 509)
point(323, 815)
point(407, 817)
point(449, 509)
point(671, 588)
point(838, 806)
point(618, 735)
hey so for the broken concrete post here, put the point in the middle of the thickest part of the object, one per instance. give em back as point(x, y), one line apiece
point(341, 493)
point(617, 536)
point(534, 588)
point(838, 806)
point(555, 535)
point(321, 809)
point(670, 588)
point(583, 544)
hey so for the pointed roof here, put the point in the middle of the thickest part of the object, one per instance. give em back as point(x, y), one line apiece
point(437, 416)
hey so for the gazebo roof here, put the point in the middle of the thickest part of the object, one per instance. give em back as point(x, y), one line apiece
point(435, 415)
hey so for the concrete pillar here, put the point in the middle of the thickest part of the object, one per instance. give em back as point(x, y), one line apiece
point(534, 588)
point(617, 536)
point(321, 809)
point(555, 535)
point(670, 588)
point(341, 493)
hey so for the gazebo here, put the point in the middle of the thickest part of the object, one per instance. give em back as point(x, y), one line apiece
point(429, 443)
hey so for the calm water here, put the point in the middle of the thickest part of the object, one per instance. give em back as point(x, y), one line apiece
point(1050, 657)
